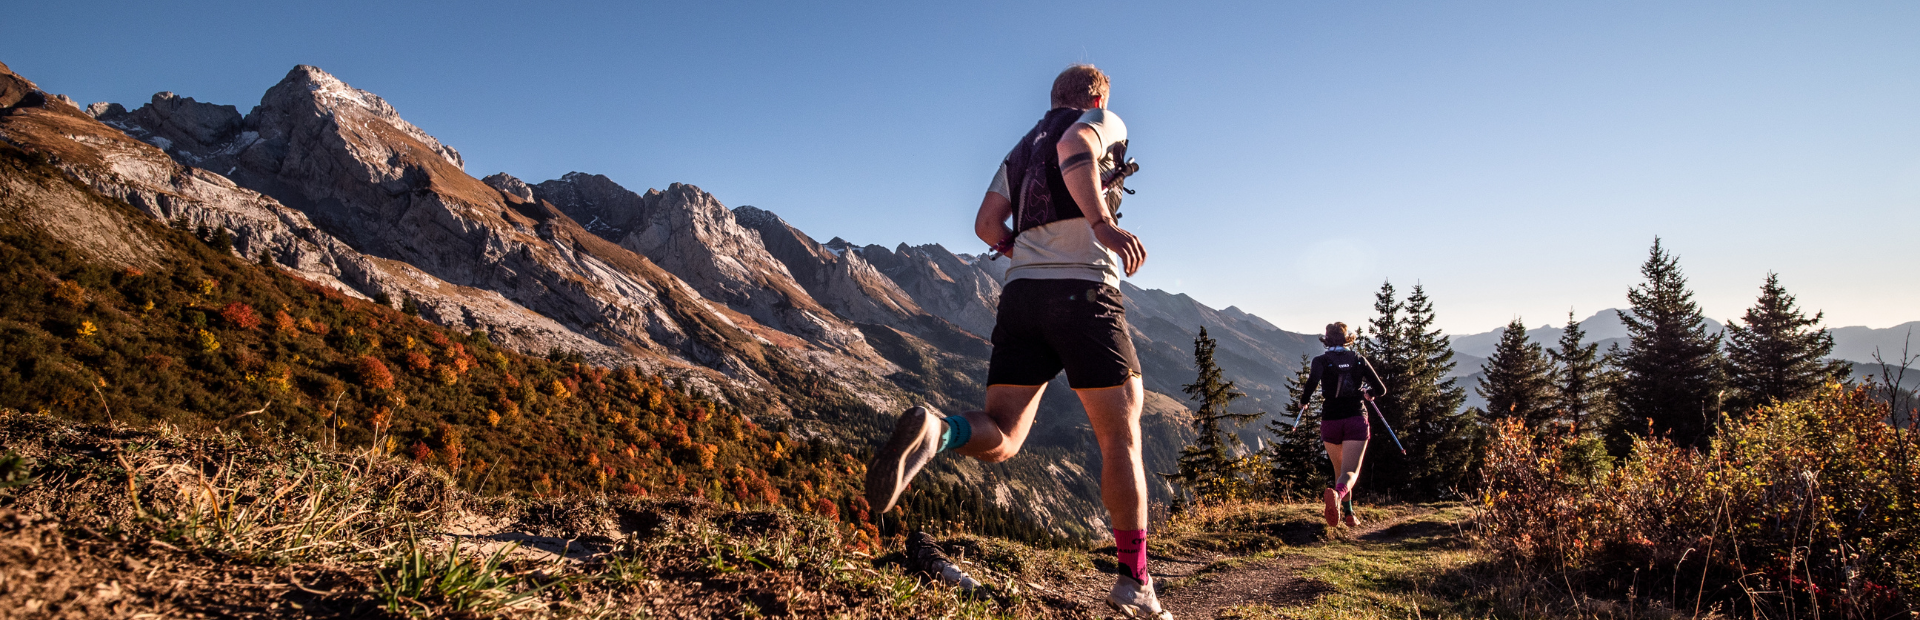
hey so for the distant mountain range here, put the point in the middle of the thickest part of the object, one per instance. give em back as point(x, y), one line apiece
point(1854, 344)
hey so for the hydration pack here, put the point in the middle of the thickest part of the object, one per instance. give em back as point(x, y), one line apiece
point(1343, 380)
point(1040, 195)
point(1115, 167)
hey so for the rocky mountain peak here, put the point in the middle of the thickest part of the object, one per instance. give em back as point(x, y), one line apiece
point(308, 89)
point(186, 129)
point(511, 186)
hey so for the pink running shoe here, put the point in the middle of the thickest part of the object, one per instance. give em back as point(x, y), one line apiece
point(1333, 508)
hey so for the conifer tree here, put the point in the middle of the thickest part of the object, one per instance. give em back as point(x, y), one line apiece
point(1517, 380)
point(1213, 468)
point(1414, 360)
point(1670, 369)
point(1299, 463)
point(1779, 354)
point(1577, 377)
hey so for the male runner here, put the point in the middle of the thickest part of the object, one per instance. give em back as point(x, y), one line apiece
point(1060, 309)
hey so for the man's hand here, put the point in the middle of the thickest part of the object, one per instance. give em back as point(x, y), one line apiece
point(1131, 252)
point(990, 223)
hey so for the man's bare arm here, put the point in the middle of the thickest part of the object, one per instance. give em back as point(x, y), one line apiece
point(991, 222)
point(1077, 166)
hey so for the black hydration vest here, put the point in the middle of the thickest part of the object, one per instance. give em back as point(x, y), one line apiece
point(1343, 376)
point(1040, 195)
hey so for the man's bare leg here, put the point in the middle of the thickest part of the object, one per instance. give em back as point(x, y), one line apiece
point(1115, 415)
point(1000, 430)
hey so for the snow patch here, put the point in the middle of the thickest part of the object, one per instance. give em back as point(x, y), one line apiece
point(158, 141)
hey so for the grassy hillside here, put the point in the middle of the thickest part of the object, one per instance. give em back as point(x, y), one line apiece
point(203, 340)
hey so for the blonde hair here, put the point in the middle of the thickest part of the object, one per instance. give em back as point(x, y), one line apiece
point(1078, 86)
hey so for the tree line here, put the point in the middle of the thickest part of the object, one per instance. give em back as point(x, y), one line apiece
point(1674, 379)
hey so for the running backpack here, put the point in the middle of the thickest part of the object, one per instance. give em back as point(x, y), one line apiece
point(1344, 381)
point(1040, 195)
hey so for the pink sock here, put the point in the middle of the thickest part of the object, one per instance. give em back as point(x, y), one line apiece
point(1340, 489)
point(1132, 545)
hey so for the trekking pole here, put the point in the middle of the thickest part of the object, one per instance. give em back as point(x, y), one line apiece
point(1383, 422)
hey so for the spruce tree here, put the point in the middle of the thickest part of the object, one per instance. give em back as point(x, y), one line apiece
point(1670, 374)
point(1577, 377)
point(1517, 380)
point(1414, 360)
point(1779, 354)
point(1212, 468)
point(1298, 460)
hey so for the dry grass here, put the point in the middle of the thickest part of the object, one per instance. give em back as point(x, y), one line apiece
point(184, 525)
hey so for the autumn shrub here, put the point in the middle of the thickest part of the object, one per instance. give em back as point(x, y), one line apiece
point(418, 362)
point(373, 373)
point(240, 315)
point(1797, 509)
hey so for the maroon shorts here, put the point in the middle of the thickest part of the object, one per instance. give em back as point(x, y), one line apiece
point(1356, 428)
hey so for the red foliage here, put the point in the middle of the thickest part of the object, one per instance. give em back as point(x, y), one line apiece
point(826, 508)
point(420, 452)
point(373, 373)
point(240, 315)
point(418, 361)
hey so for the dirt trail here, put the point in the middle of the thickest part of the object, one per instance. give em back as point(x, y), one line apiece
point(1199, 587)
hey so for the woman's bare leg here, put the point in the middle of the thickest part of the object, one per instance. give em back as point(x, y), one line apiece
point(1348, 455)
point(1331, 497)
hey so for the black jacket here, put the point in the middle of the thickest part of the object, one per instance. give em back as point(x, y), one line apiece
point(1325, 375)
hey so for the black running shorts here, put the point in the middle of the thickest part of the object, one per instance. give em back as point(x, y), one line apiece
point(1047, 325)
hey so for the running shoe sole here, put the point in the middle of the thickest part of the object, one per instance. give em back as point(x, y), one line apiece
point(886, 475)
point(1333, 508)
point(1131, 611)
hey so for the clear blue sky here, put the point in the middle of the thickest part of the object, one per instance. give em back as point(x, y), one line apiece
point(1517, 158)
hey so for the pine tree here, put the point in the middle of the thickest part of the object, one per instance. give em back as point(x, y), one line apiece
point(1517, 380)
point(1779, 354)
point(1414, 360)
point(1212, 468)
point(1299, 462)
point(1670, 370)
point(1577, 377)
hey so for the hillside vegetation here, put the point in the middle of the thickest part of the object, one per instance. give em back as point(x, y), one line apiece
point(210, 342)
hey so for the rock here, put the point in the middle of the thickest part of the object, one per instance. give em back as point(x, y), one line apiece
point(510, 186)
point(104, 111)
point(953, 287)
point(188, 130)
point(851, 287)
point(690, 234)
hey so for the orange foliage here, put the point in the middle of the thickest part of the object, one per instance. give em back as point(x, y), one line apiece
point(418, 362)
point(240, 315)
point(373, 373)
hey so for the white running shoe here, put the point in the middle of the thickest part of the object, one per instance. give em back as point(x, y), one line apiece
point(1132, 599)
point(916, 438)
